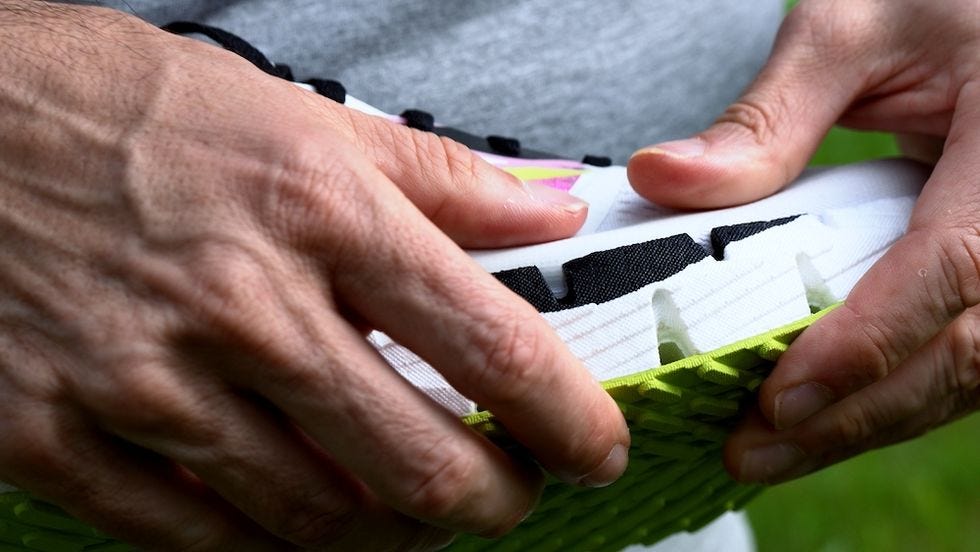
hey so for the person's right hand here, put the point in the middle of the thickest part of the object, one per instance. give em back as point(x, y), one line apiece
point(901, 355)
point(189, 255)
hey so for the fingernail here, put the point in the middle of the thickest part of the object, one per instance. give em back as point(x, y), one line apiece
point(679, 149)
point(609, 471)
point(769, 462)
point(555, 197)
point(794, 405)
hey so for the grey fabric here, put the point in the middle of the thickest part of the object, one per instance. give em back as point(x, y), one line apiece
point(570, 77)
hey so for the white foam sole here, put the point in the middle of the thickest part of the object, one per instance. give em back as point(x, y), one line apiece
point(850, 216)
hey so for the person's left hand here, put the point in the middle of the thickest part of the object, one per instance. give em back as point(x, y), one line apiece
point(902, 354)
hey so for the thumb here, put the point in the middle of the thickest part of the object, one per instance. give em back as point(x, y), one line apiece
point(900, 355)
point(765, 139)
point(473, 202)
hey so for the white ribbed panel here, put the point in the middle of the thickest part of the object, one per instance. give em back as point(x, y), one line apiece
point(764, 281)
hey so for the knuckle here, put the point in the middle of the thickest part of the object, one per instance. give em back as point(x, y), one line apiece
point(461, 173)
point(297, 371)
point(441, 156)
point(459, 162)
point(964, 378)
point(443, 487)
point(145, 400)
point(876, 357)
point(308, 187)
point(850, 428)
point(316, 520)
point(228, 290)
point(235, 277)
point(298, 156)
point(298, 175)
point(759, 114)
point(960, 250)
point(876, 351)
point(512, 357)
point(447, 160)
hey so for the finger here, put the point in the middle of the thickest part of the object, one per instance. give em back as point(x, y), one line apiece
point(922, 283)
point(491, 345)
point(764, 139)
point(123, 491)
point(470, 200)
point(252, 456)
point(410, 452)
point(936, 384)
point(323, 375)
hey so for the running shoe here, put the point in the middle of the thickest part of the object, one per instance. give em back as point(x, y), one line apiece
point(680, 315)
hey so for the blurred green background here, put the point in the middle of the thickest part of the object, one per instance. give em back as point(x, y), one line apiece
point(923, 495)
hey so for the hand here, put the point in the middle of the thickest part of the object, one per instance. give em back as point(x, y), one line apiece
point(190, 252)
point(902, 354)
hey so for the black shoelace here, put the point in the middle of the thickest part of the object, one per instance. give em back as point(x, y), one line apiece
point(334, 90)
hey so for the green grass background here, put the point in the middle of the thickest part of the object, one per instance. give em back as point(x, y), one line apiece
point(921, 496)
